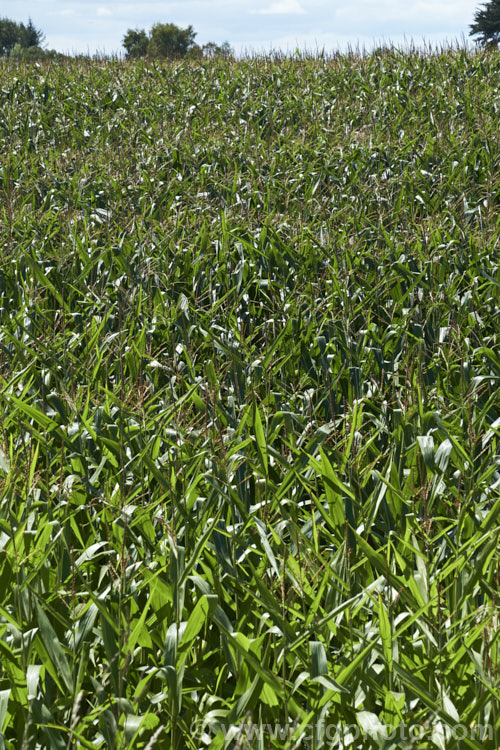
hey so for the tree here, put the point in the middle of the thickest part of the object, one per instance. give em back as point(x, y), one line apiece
point(9, 31)
point(136, 43)
point(487, 24)
point(211, 49)
point(168, 40)
point(30, 36)
point(164, 40)
point(18, 36)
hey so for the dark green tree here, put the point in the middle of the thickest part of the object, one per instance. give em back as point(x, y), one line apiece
point(168, 40)
point(211, 49)
point(487, 24)
point(136, 43)
point(30, 36)
point(9, 36)
point(18, 35)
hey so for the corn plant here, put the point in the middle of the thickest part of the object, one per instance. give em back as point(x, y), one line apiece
point(249, 401)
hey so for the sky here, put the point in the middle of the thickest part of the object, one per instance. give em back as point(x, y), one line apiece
point(251, 26)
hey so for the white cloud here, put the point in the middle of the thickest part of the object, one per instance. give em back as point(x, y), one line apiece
point(283, 7)
point(64, 12)
point(388, 12)
point(104, 12)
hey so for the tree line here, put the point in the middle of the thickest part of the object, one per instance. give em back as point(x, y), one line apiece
point(166, 40)
point(18, 39)
point(169, 41)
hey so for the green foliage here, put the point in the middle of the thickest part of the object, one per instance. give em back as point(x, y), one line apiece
point(249, 403)
point(487, 23)
point(9, 36)
point(136, 42)
point(166, 40)
point(31, 36)
point(19, 36)
point(211, 49)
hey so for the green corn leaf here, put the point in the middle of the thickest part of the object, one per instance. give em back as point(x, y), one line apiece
point(260, 440)
point(4, 704)
point(319, 665)
point(426, 444)
point(32, 680)
point(58, 663)
point(199, 617)
point(385, 633)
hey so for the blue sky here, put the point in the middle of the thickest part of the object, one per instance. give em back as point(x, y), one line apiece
point(249, 25)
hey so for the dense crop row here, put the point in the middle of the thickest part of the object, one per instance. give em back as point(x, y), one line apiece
point(249, 402)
